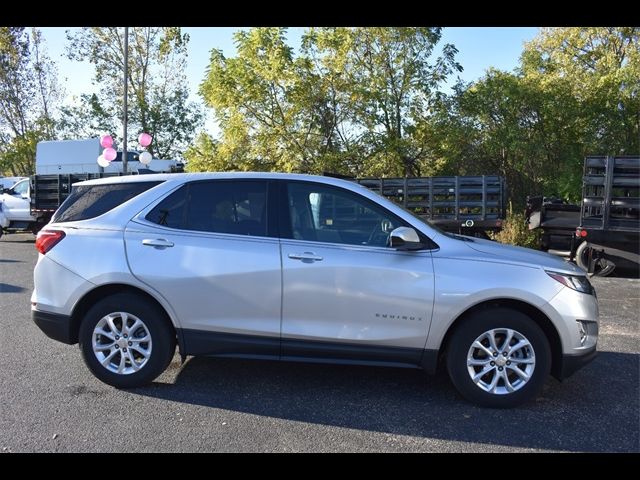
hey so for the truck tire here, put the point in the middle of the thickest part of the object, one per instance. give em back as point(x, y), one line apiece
point(602, 267)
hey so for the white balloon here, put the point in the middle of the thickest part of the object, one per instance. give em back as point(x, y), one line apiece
point(145, 158)
point(103, 162)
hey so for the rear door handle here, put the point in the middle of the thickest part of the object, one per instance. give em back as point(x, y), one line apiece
point(305, 257)
point(157, 242)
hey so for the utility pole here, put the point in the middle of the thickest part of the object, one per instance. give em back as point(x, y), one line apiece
point(124, 116)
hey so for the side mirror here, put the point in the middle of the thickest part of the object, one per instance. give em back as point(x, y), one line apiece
point(405, 238)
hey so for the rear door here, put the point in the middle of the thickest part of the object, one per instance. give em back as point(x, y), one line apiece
point(209, 248)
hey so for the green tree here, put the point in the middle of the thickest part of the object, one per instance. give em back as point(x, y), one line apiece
point(505, 124)
point(574, 94)
point(348, 103)
point(158, 97)
point(259, 99)
point(29, 94)
point(390, 79)
point(601, 66)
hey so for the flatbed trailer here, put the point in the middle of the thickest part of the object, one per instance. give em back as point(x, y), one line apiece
point(609, 228)
point(469, 205)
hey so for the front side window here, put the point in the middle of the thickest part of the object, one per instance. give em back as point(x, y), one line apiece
point(327, 214)
point(236, 207)
point(21, 188)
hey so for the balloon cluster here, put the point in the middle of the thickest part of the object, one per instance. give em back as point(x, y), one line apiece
point(109, 153)
point(145, 140)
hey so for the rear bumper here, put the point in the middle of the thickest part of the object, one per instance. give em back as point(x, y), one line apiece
point(572, 363)
point(54, 326)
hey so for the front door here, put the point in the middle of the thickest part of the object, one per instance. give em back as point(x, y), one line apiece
point(346, 293)
point(16, 204)
point(207, 249)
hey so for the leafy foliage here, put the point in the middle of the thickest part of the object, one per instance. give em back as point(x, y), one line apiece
point(29, 94)
point(515, 231)
point(366, 101)
point(349, 103)
point(575, 94)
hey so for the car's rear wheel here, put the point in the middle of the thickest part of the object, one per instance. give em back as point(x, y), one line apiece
point(498, 358)
point(126, 341)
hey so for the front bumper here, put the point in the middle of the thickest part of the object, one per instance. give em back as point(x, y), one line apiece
point(54, 326)
point(570, 364)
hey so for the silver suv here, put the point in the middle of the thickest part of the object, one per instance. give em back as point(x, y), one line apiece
point(300, 268)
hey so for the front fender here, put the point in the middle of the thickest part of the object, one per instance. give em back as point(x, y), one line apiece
point(463, 284)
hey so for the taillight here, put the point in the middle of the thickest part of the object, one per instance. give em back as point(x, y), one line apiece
point(580, 233)
point(47, 239)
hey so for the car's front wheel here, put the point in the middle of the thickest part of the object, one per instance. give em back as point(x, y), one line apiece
point(498, 358)
point(126, 340)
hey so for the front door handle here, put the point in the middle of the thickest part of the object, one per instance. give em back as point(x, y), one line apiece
point(157, 243)
point(305, 257)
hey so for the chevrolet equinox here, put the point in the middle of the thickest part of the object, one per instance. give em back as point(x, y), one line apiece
point(300, 268)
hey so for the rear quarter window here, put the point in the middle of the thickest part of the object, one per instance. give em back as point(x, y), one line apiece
point(90, 201)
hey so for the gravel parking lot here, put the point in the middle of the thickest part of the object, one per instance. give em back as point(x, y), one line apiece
point(49, 402)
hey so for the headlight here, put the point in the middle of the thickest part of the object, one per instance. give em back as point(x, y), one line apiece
point(580, 283)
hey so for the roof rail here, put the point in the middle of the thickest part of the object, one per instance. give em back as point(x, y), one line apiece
point(337, 175)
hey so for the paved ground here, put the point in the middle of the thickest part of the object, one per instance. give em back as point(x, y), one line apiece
point(49, 402)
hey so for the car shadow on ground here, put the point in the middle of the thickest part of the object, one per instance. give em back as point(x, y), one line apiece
point(569, 416)
point(7, 288)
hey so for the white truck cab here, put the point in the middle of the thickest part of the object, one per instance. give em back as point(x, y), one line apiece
point(15, 207)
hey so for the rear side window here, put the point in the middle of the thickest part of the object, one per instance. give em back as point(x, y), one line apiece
point(90, 201)
point(237, 207)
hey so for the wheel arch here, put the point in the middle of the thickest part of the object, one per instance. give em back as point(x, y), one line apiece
point(83, 305)
point(538, 316)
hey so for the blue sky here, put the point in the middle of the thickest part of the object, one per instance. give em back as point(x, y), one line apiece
point(479, 48)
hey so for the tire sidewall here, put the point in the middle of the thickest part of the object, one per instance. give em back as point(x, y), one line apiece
point(580, 253)
point(156, 322)
point(582, 260)
point(483, 321)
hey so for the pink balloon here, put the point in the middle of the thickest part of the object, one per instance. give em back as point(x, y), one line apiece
point(144, 139)
point(109, 154)
point(106, 141)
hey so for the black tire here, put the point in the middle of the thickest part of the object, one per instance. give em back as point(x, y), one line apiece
point(471, 329)
point(603, 267)
point(158, 325)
